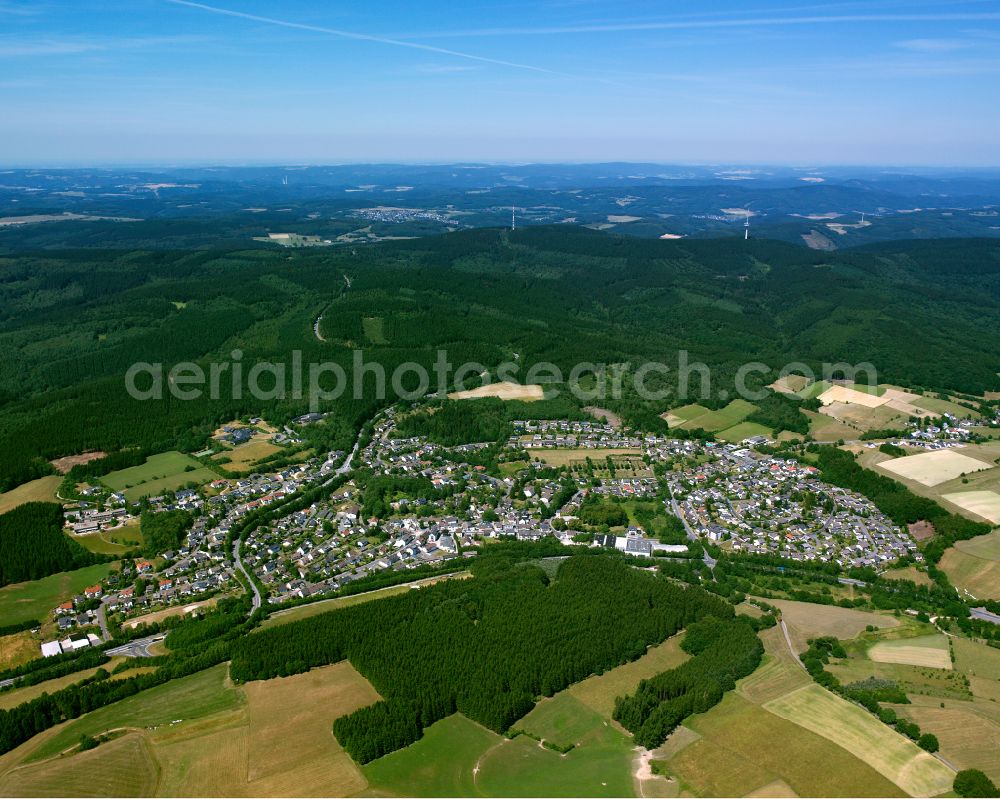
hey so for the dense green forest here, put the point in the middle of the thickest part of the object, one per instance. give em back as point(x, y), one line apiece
point(163, 531)
point(33, 545)
point(486, 647)
point(722, 650)
point(71, 323)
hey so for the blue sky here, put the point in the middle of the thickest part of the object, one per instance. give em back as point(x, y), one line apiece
point(246, 81)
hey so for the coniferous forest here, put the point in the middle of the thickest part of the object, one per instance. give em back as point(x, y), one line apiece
point(487, 647)
point(72, 322)
point(33, 545)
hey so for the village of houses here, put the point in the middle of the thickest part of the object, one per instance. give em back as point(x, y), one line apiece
point(729, 494)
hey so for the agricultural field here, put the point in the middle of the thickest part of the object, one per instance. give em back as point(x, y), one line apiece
point(504, 390)
point(16, 649)
point(599, 692)
point(974, 565)
point(826, 428)
point(242, 457)
point(929, 651)
point(806, 620)
point(738, 747)
point(188, 698)
point(41, 490)
point(932, 468)
point(37, 599)
point(444, 762)
point(860, 733)
point(744, 430)
point(164, 472)
point(984, 504)
point(568, 457)
point(15, 697)
point(201, 736)
point(968, 738)
point(691, 417)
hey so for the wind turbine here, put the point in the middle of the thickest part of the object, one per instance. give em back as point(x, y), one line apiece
point(746, 224)
point(513, 224)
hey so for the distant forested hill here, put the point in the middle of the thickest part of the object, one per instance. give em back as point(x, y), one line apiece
point(924, 313)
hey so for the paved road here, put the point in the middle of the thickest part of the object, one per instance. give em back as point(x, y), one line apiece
point(139, 648)
point(984, 615)
point(5, 683)
point(238, 560)
point(851, 581)
point(709, 560)
point(102, 618)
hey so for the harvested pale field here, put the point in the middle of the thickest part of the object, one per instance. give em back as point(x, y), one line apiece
point(620, 219)
point(789, 384)
point(243, 457)
point(850, 396)
point(860, 733)
point(121, 767)
point(743, 748)
point(982, 503)
point(778, 674)
point(176, 610)
point(63, 465)
point(292, 750)
point(826, 428)
point(17, 696)
point(599, 692)
point(967, 738)
point(41, 490)
point(779, 789)
point(975, 570)
point(930, 651)
point(864, 417)
point(806, 620)
point(565, 457)
point(16, 649)
point(505, 391)
point(932, 468)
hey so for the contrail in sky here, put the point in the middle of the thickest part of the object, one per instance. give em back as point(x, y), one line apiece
point(364, 37)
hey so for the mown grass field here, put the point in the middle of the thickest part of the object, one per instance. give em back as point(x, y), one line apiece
point(192, 697)
point(566, 457)
point(442, 763)
point(968, 738)
point(121, 767)
point(738, 432)
point(374, 329)
point(695, 416)
point(37, 599)
point(929, 651)
point(242, 457)
point(599, 692)
point(112, 542)
point(41, 490)
point(562, 720)
point(910, 573)
point(860, 733)
point(600, 766)
point(162, 472)
point(974, 565)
